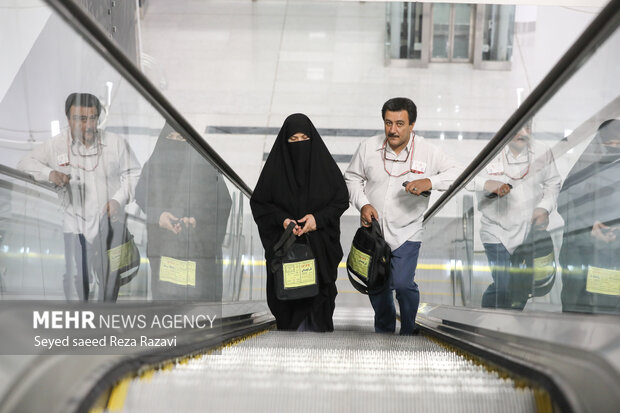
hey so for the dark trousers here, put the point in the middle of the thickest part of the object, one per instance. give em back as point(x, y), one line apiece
point(90, 259)
point(402, 273)
point(510, 289)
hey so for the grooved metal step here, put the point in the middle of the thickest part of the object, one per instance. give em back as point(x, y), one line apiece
point(345, 371)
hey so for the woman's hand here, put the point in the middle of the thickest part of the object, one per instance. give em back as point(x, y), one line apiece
point(309, 224)
point(603, 232)
point(297, 228)
point(169, 222)
point(189, 222)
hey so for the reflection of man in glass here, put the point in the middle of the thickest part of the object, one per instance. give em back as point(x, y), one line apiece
point(96, 173)
point(516, 193)
point(588, 203)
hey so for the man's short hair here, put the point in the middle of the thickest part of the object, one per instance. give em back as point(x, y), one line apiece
point(82, 99)
point(398, 104)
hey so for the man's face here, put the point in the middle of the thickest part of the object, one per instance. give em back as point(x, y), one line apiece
point(521, 140)
point(83, 123)
point(397, 129)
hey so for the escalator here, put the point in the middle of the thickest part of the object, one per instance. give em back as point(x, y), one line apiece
point(352, 369)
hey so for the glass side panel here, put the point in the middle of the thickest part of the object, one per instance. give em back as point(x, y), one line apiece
point(538, 228)
point(101, 199)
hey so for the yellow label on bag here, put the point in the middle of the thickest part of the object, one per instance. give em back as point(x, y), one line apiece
point(543, 267)
point(299, 274)
point(120, 256)
point(603, 281)
point(177, 271)
point(359, 262)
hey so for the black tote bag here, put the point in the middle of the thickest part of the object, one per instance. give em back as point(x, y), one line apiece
point(117, 258)
point(368, 263)
point(294, 267)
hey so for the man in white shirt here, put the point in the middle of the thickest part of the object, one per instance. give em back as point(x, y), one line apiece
point(96, 173)
point(375, 179)
point(516, 192)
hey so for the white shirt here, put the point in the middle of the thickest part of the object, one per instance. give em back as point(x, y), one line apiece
point(400, 213)
point(535, 184)
point(105, 171)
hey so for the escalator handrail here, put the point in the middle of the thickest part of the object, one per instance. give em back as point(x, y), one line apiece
point(71, 12)
point(595, 34)
point(22, 176)
point(25, 177)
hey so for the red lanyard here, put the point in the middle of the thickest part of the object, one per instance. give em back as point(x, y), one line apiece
point(527, 170)
point(70, 151)
point(383, 152)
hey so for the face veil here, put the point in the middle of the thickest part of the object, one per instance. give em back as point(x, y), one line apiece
point(300, 158)
point(299, 152)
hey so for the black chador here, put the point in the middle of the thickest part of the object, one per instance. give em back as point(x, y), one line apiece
point(178, 182)
point(301, 178)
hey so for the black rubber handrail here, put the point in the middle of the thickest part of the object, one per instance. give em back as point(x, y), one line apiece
point(595, 34)
point(71, 12)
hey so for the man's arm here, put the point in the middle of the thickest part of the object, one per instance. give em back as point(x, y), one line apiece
point(491, 179)
point(37, 163)
point(355, 178)
point(551, 183)
point(447, 170)
point(551, 189)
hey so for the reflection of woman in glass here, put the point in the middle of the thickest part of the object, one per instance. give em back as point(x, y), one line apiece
point(588, 203)
point(187, 206)
point(301, 182)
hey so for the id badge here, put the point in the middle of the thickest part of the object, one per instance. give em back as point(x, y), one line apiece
point(62, 159)
point(418, 167)
point(495, 168)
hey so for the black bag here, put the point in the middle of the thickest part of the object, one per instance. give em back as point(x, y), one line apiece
point(117, 258)
point(294, 267)
point(368, 264)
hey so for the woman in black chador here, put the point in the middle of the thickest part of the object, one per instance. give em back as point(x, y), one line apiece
point(588, 203)
point(301, 182)
point(187, 206)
